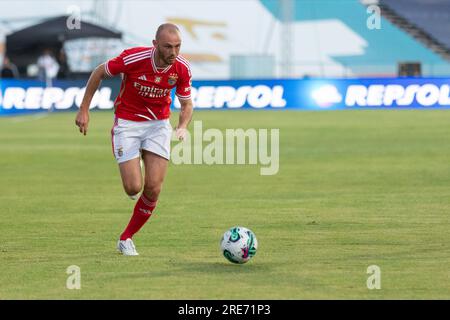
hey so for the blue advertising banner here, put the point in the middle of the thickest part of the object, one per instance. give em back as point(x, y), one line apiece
point(25, 96)
point(319, 94)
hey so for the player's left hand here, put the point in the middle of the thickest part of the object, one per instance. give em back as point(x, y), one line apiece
point(181, 133)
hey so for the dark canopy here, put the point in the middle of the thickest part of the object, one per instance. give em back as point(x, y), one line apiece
point(24, 46)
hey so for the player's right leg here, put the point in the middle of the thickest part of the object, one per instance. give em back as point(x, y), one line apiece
point(126, 149)
point(130, 172)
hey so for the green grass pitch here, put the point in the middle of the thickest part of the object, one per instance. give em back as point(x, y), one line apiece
point(354, 189)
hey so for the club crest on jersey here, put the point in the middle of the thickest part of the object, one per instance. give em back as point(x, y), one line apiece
point(157, 79)
point(173, 77)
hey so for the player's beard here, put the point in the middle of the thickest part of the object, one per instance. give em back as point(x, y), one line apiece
point(170, 60)
point(164, 59)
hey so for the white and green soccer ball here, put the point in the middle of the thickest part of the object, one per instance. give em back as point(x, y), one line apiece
point(238, 245)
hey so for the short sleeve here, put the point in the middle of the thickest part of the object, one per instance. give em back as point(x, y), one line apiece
point(116, 65)
point(184, 83)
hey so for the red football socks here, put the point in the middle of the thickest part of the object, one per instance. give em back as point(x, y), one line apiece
point(142, 212)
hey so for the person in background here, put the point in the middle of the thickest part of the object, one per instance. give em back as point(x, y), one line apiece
point(48, 66)
point(9, 69)
point(64, 69)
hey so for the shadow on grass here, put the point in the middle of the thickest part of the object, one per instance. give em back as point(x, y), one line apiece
point(224, 267)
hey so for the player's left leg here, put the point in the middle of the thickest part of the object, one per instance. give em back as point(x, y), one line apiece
point(156, 155)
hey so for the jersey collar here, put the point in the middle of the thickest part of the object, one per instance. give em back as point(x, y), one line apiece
point(155, 69)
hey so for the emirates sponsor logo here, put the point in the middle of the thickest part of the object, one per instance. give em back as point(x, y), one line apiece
point(151, 92)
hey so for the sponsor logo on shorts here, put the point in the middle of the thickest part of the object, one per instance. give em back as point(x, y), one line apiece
point(120, 152)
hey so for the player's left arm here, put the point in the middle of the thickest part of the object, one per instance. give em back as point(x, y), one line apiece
point(183, 93)
point(185, 118)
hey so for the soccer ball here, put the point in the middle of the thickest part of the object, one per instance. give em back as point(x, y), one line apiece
point(238, 245)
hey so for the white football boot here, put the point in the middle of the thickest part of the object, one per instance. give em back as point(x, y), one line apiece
point(127, 248)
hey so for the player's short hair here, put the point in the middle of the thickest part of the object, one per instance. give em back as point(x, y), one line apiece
point(166, 26)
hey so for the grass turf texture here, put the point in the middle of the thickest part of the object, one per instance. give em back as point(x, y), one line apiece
point(355, 188)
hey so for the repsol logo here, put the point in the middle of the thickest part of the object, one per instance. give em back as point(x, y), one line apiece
point(35, 98)
point(425, 95)
point(259, 96)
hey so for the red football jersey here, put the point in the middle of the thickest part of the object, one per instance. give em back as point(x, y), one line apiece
point(145, 89)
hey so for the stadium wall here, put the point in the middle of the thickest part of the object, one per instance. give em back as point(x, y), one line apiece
point(27, 96)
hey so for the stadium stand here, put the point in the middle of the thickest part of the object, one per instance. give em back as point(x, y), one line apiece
point(381, 54)
point(427, 21)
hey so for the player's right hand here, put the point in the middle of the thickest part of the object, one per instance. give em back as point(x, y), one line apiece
point(82, 121)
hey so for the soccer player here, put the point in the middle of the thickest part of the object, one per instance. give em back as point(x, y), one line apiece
point(141, 127)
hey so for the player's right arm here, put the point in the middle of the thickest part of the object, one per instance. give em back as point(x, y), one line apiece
point(82, 118)
point(110, 68)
